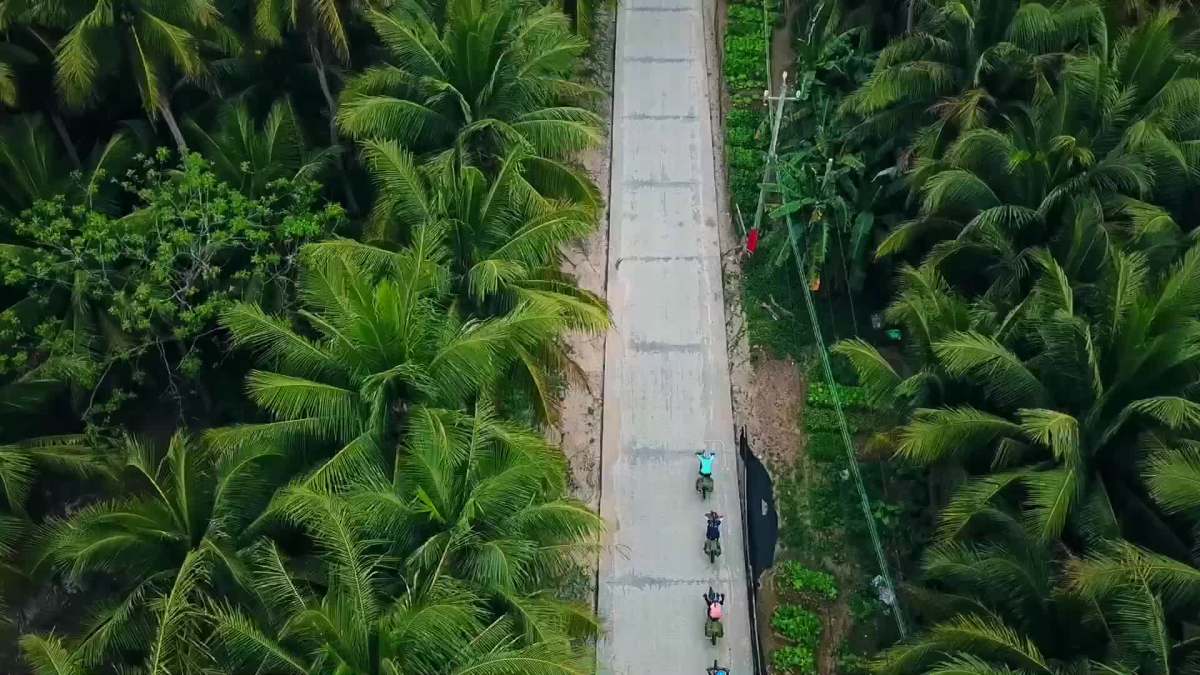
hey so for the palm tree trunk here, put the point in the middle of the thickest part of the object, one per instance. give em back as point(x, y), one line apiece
point(331, 104)
point(63, 136)
point(164, 107)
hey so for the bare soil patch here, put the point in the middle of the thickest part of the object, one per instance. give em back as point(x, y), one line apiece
point(775, 400)
point(837, 622)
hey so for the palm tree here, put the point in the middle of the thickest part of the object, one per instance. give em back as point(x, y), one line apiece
point(385, 341)
point(929, 310)
point(1012, 606)
point(1050, 402)
point(491, 77)
point(27, 69)
point(26, 459)
point(484, 501)
point(996, 197)
point(325, 27)
point(1110, 142)
point(146, 40)
point(965, 63)
point(351, 612)
point(163, 549)
point(994, 608)
point(250, 155)
point(34, 166)
point(1147, 599)
point(483, 213)
point(504, 246)
point(323, 22)
point(23, 455)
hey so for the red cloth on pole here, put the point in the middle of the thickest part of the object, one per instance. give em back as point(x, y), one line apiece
point(752, 240)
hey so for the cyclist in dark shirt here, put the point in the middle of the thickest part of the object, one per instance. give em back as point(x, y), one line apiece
point(714, 526)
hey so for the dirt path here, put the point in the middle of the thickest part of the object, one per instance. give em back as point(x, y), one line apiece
point(582, 405)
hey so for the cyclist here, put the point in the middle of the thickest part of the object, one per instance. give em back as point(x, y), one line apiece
point(713, 533)
point(715, 603)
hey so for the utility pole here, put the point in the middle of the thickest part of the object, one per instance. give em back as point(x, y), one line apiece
point(884, 578)
point(776, 103)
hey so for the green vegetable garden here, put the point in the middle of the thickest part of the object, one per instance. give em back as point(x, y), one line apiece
point(1010, 186)
point(281, 323)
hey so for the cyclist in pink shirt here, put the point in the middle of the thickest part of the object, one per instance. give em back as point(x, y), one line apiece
point(715, 603)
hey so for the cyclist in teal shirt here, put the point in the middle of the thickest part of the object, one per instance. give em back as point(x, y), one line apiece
point(706, 462)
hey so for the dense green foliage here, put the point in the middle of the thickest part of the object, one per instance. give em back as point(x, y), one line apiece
point(129, 304)
point(745, 51)
point(828, 200)
point(281, 321)
point(820, 191)
point(1045, 282)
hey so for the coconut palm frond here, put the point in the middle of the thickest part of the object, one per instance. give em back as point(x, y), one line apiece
point(876, 374)
point(1175, 412)
point(1052, 496)
point(1173, 477)
point(245, 645)
point(935, 434)
point(974, 499)
point(1007, 379)
point(49, 656)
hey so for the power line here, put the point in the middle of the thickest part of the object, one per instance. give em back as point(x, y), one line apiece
point(848, 444)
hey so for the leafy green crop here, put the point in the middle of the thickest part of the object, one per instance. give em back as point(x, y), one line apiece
point(802, 628)
point(821, 395)
point(800, 579)
point(822, 419)
point(797, 624)
point(796, 660)
point(826, 447)
point(745, 76)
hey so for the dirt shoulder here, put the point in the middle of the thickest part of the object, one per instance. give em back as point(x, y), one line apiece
point(579, 428)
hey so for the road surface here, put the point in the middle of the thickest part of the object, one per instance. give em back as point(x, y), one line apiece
point(666, 377)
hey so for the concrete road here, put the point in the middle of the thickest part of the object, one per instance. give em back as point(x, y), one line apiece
point(666, 379)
